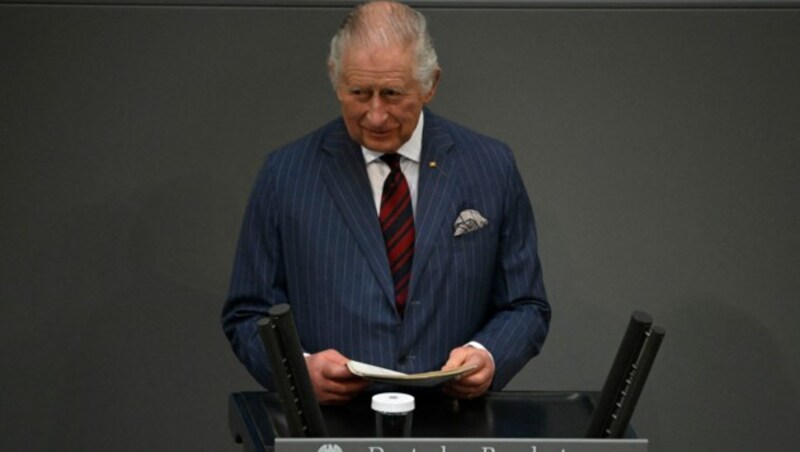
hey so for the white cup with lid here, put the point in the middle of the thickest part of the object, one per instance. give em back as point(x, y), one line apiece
point(393, 414)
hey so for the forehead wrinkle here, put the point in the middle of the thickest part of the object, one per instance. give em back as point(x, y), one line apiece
point(369, 66)
point(377, 80)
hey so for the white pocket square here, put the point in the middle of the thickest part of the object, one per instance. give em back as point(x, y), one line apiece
point(468, 221)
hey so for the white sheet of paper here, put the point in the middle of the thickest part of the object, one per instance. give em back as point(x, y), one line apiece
point(384, 375)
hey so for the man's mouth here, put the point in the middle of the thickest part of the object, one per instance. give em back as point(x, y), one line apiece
point(379, 133)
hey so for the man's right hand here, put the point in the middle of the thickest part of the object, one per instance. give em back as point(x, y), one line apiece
point(332, 380)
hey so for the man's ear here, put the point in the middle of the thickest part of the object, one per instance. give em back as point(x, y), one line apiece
point(330, 77)
point(437, 75)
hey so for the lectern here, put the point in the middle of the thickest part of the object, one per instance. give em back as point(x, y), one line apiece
point(555, 420)
point(290, 420)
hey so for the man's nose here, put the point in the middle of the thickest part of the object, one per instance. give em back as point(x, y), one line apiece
point(376, 115)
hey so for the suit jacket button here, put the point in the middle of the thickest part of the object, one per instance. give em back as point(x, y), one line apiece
point(405, 359)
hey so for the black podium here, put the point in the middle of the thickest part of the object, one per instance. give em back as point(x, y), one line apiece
point(588, 419)
point(256, 418)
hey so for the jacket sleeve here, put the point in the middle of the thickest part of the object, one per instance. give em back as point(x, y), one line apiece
point(520, 320)
point(257, 282)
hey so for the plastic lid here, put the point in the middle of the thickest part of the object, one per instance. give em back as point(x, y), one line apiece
point(393, 402)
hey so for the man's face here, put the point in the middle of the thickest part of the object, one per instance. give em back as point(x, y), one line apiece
point(380, 98)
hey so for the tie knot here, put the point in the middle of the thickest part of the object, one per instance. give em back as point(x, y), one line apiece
point(393, 160)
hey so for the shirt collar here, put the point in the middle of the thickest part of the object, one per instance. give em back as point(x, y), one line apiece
point(411, 149)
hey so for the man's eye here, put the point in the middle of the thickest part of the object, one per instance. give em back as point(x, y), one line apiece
point(391, 93)
point(361, 93)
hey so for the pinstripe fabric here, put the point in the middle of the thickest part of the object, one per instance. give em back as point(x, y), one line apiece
point(311, 237)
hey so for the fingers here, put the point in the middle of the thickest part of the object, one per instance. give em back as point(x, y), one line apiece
point(331, 391)
point(331, 379)
point(475, 383)
point(458, 357)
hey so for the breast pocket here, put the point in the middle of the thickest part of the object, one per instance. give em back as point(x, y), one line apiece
point(477, 241)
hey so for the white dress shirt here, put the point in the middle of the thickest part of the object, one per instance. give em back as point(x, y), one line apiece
point(378, 170)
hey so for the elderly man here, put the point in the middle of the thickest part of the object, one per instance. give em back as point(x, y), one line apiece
point(399, 239)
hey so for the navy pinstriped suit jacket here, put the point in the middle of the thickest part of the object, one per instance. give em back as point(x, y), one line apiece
point(311, 238)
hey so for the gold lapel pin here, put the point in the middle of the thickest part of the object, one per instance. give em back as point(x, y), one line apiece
point(431, 164)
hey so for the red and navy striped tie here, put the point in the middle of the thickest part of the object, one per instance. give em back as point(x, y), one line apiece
point(397, 223)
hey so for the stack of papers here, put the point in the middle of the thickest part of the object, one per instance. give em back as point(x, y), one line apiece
point(383, 375)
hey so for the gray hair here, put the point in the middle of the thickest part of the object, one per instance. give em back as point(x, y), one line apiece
point(385, 23)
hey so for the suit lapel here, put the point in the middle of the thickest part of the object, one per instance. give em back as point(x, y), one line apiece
point(436, 192)
point(347, 179)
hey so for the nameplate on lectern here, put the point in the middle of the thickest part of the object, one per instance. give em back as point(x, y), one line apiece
point(458, 445)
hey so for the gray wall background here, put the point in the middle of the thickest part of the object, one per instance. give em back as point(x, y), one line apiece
point(659, 146)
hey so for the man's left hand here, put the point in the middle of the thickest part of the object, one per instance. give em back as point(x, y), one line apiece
point(474, 383)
